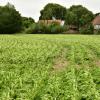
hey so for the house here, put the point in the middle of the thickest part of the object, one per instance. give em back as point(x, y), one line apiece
point(48, 22)
point(96, 22)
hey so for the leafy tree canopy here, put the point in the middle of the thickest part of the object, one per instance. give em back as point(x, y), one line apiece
point(79, 16)
point(97, 14)
point(10, 19)
point(53, 10)
point(27, 21)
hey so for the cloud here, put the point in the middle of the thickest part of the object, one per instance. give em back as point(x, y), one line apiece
point(32, 7)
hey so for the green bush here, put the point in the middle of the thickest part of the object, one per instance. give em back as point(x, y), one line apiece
point(36, 28)
point(88, 29)
point(98, 31)
point(57, 29)
point(46, 29)
point(41, 28)
point(33, 29)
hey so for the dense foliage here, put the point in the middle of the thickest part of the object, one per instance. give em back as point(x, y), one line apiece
point(10, 19)
point(52, 28)
point(79, 16)
point(88, 29)
point(49, 67)
point(27, 22)
point(97, 32)
point(53, 10)
point(97, 14)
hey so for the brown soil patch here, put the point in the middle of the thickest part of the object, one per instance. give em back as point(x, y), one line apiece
point(60, 64)
point(98, 63)
point(77, 67)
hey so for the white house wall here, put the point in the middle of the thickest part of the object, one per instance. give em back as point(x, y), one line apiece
point(96, 27)
point(62, 23)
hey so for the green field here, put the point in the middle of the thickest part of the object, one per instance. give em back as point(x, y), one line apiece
point(49, 67)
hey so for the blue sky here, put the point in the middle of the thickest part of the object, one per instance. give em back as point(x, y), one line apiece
point(31, 8)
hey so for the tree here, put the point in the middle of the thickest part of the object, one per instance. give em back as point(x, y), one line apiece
point(70, 18)
point(10, 19)
point(53, 10)
point(26, 22)
point(79, 16)
point(97, 14)
point(9, 5)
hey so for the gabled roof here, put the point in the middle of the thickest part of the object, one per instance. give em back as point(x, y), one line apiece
point(96, 21)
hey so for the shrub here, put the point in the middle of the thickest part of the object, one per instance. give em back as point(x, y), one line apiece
point(46, 29)
point(97, 32)
point(33, 29)
point(88, 29)
point(55, 28)
point(41, 28)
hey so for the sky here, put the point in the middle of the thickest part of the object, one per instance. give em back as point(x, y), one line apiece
point(31, 8)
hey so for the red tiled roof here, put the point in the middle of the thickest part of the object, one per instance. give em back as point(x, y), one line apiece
point(96, 21)
point(49, 21)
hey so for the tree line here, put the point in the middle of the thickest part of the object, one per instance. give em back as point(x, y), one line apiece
point(11, 20)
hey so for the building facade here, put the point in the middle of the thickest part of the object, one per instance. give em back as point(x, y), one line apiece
point(96, 22)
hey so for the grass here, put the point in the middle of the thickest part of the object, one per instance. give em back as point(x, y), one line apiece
point(49, 67)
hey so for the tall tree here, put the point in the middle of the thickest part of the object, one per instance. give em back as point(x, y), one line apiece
point(53, 10)
point(97, 14)
point(26, 22)
point(79, 16)
point(10, 19)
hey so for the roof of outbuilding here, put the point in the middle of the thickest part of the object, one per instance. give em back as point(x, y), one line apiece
point(96, 21)
point(50, 21)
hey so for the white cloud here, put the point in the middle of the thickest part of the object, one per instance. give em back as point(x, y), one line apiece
point(32, 7)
